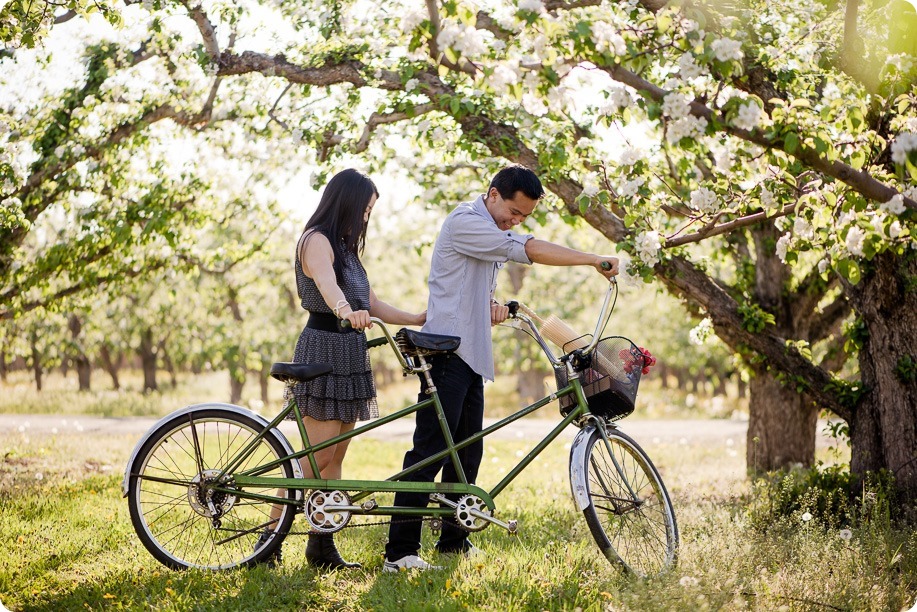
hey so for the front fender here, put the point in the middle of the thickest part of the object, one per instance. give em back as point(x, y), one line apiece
point(297, 471)
point(578, 475)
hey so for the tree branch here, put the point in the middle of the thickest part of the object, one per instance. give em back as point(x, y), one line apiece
point(859, 180)
point(377, 119)
point(208, 33)
point(716, 230)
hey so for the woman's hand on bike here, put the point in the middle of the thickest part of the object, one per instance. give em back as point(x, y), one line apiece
point(359, 319)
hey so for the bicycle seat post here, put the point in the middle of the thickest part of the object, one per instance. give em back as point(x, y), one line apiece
point(425, 367)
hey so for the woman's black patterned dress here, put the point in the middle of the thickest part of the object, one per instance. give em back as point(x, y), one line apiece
point(348, 393)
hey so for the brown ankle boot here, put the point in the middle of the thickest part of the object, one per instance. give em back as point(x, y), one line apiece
point(321, 552)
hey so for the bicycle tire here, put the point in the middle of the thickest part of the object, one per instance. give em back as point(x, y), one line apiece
point(173, 519)
point(641, 536)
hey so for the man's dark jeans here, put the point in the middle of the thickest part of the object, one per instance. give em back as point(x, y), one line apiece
point(461, 392)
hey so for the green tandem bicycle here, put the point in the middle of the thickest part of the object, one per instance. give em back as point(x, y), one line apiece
point(207, 481)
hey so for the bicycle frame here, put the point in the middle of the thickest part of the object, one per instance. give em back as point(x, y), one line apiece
point(251, 479)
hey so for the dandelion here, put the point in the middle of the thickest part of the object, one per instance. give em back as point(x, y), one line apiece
point(688, 581)
point(845, 534)
point(39, 476)
point(806, 517)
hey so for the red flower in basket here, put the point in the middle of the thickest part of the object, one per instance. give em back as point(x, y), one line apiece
point(631, 359)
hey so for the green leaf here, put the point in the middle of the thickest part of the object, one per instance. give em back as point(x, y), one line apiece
point(791, 142)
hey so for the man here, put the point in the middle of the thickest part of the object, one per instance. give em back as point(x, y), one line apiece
point(474, 243)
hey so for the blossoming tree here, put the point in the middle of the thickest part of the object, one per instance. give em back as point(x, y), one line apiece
point(758, 159)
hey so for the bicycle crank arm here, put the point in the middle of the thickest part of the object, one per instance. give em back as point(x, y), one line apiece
point(510, 526)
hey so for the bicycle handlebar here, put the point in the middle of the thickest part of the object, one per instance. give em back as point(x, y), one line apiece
point(513, 307)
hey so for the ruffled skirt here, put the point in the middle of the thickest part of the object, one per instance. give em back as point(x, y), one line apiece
point(346, 394)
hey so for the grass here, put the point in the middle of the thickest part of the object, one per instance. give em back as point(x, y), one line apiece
point(68, 543)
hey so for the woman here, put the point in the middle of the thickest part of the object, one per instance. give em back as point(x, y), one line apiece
point(332, 285)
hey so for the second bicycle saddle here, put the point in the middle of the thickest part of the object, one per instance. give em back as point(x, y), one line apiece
point(298, 372)
point(418, 343)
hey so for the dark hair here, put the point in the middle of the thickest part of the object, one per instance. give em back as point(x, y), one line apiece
point(515, 178)
point(340, 212)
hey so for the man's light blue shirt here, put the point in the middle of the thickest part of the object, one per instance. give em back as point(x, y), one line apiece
point(469, 252)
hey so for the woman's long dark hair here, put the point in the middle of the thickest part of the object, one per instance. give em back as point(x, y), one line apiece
point(339, 215)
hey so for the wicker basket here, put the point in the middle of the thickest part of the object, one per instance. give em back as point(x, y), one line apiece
point(610, 384)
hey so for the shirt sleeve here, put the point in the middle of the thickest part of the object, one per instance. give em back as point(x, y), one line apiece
point(475, 236)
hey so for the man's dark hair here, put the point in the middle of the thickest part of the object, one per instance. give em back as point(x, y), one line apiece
point(515, 178)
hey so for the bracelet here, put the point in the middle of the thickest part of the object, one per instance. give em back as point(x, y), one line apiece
point(338, 306)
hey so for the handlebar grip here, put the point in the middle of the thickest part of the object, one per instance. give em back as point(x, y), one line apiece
point(606, 265)
point(344, 323)
point(513, 306)
point(376, 342)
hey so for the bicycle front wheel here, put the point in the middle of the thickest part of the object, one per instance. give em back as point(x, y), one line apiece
point(629, 512)
point(179, 516)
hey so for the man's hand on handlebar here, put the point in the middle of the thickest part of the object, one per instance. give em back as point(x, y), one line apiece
point(498, 313)
point(607, 266)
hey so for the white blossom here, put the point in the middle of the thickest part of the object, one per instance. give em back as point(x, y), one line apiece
point(296, 135)
point(412, 20)
point(894, 230)
point(411, 85)
point(606, 36)
point(630, 156)
point(466, 39)
point(503, 76)
point(648, 245)
point(782, 245)
point(854, 241)
point(803, 229)
point(534, 105)
point(904, 143)
point(686, 127)
point(629, 188)
point(676, 105)
point(749, 116)
point(901, 61)
point(822, 266)
point(700, 334)
point(591, 190)
point(688, 25)
point(878, 222)
point(704, 200)
point(60, 151)
point(536, 6)
point(725, 49)
point(688, 67)
point(895, 205)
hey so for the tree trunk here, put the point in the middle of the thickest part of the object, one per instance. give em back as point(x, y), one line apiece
point(148, 360)
point(235, 386)
point(780, 426)
point(36, 361)
point(167, 363)
point(78, 355)
point(264, 377)
point(883, 431)
point(3, 366)
point(530, 384)
point(110, 366)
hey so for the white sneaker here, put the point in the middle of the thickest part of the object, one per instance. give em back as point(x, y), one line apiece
point(408, 563)
point(473, 552)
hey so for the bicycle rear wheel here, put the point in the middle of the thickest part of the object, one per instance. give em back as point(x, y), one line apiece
point(180, 519)
point(629, 513)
